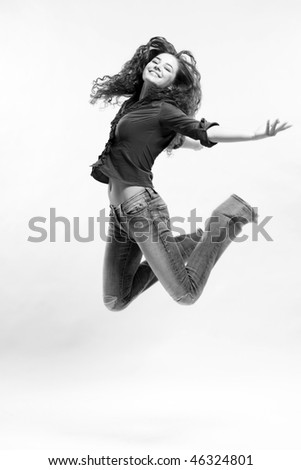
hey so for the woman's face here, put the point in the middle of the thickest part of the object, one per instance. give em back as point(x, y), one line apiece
point(161, 70)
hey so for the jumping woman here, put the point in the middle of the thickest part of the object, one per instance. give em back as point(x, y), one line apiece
point(163, 93)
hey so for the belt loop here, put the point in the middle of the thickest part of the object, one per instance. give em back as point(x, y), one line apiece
point(112, 210)
point(151, 191)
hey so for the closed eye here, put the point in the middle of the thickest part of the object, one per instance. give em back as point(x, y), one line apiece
point(168, 67)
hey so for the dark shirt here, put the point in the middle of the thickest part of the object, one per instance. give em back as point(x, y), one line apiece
point(140, 136)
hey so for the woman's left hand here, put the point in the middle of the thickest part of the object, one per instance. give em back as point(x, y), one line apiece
point(270, 129)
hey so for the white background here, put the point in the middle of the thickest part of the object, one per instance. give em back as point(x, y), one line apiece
point(223, 374)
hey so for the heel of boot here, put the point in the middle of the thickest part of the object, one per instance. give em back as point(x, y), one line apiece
point(252, 212)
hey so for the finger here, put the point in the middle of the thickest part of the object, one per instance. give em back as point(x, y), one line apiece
point(273, 127)
point(267, 129)
point(282, 126)
point(285, 126)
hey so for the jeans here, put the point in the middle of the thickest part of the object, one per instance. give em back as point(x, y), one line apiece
point(141, 226)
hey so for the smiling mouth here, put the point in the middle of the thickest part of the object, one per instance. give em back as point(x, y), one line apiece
point(153, 71)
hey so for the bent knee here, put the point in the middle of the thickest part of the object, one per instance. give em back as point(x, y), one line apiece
point(187, 299)
point(113, 303)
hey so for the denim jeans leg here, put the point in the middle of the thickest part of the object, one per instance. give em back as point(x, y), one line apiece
point(221, 229)
point(124, 275)
point(185, 284)
point(165, 255)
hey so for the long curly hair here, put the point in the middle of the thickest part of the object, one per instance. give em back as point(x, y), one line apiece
point(185, 91)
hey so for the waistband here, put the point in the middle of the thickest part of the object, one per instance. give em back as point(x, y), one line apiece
point(146, 193)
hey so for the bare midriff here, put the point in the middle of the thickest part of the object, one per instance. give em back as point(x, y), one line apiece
point(119, 192)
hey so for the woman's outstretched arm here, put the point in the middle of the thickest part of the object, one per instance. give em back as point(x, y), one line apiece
point(269, 129)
